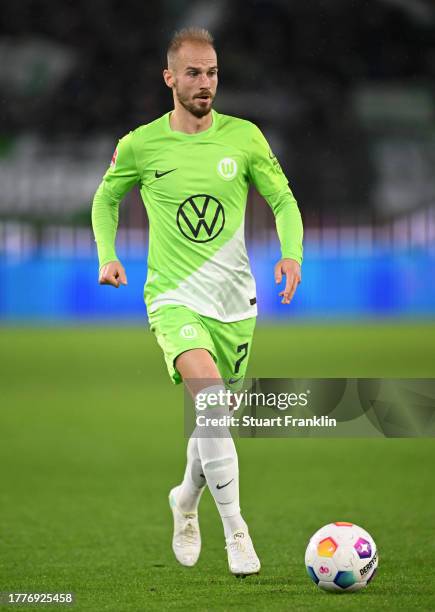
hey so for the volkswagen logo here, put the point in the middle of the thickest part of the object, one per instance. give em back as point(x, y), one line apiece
point(201, 218)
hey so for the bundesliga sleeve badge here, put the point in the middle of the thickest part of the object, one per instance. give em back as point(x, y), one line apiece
point(114, 156)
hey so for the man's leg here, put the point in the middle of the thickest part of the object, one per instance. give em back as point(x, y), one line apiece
point(178, 329)
point(190, 490)
point(217, 453)
point(218, 457)
point(190, 350)
point(184, 500)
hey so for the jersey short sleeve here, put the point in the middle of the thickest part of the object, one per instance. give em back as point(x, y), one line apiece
point(265, 171)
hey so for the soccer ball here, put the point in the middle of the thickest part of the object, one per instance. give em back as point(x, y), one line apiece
point(341, 557)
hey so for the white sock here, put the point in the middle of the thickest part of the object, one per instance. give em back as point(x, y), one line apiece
point(189, 492)
point(220, 465)
point(232, 524)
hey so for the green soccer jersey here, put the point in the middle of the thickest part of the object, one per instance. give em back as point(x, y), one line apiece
point(194, 187)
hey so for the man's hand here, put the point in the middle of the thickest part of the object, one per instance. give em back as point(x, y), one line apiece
point(113, 273)
point(292, 271)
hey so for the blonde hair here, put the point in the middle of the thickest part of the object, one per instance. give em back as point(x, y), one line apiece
point(195, 35)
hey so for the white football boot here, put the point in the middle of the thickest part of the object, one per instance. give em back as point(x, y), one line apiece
point(242, 558)
point(186, 541)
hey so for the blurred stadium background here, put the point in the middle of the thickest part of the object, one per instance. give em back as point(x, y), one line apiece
point(343, 89)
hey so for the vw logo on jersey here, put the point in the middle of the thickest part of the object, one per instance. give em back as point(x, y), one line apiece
point(188, 331)
point(201, 218)
point(227, 168)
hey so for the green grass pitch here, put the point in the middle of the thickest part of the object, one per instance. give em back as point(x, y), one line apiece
point(91, 442)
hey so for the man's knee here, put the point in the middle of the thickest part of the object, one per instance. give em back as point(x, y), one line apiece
point(197, 360)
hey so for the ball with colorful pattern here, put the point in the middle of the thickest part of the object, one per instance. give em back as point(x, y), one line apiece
point(341, 557)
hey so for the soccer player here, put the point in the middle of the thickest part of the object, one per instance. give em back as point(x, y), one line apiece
point(194, 167)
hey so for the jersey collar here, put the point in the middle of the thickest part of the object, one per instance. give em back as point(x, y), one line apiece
point(198, 135)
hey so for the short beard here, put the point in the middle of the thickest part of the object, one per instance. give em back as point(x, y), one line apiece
point(191, 108)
